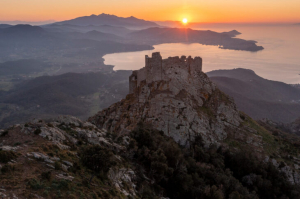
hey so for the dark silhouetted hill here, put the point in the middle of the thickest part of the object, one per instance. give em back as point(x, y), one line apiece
point(259, 97)
point(106, 19)
point(25, 41)
point(78, 94)
point(158, 35)
point(116, 30)
point(5, 26)
point(232, 33)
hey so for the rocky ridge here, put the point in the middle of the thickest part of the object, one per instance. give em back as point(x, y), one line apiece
point(182, 104)
point(50, 148)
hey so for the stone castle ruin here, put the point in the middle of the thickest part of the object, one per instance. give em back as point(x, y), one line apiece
point(157, 69)
point(174, 96)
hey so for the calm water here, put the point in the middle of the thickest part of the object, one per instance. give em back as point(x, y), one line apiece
point(280, 60)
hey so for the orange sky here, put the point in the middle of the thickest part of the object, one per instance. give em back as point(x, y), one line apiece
point(216, 11)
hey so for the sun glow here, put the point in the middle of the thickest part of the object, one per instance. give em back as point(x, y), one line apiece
point(184, 20)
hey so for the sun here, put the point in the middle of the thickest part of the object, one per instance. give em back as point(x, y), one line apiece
point(184, 20)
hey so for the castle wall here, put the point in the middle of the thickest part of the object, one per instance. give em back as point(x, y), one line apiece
point(141, 75)
point(153, 68)
point(133, 81)
point(156, 68)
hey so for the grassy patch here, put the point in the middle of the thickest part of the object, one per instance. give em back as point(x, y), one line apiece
point(233, 143)
point(270, 146)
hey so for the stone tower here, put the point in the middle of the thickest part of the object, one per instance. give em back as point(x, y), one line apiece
point(157, 69)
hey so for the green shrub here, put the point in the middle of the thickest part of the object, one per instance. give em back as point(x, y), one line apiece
point(60, 185)
point(97, 158)
point(36, 184)
point(198, 172)
point(57, 165)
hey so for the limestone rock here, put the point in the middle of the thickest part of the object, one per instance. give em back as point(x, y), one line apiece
point(180, 100)
point(119, 175)
point(68, 163)
point(9, 148)
point(65, 177)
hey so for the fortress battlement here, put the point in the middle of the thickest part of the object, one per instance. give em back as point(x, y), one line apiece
point(157, 69)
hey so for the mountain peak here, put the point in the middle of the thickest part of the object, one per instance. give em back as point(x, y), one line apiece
point(107, 19)
point(176, 97)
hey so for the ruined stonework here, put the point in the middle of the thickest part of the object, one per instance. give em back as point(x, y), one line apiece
point(174, 96)
point(156, 69)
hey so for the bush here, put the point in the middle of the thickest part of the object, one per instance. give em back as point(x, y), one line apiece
point(46, 175)
point(97, 158)
point(7, 168)
point(36, 184)
point(6, 156)
point(37, 131)
point(60, 185)
point(57, 165)
point(4, 133)
point(199, 172)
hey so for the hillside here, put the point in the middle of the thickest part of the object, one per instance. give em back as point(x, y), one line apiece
point(116, 30)
point(69, 158)
point(25, 41)
point(24, 66)
point(5, 25)
point(259, 97)
point(176, 135)
point(70, 94)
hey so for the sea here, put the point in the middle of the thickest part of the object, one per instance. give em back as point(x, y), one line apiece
point(279, 61)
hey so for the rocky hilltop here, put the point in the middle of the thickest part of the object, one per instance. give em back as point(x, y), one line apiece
point(133, 149)
point(176, 97)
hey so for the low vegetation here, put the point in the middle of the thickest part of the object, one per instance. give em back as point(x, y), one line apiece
point(203, 173)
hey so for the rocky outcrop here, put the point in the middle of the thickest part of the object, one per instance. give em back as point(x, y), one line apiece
point(183, 104)
point(53, 147)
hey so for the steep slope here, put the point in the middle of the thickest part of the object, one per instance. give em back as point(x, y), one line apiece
point(175, 96)
point(141, 155)
point(69, 158)
point(259, 97)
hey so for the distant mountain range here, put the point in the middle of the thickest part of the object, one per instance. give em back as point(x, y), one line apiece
point(26, 41)
point(117, 30)
point(106, 19)
point(37, 23)
point(225, 40)
point(258, 97)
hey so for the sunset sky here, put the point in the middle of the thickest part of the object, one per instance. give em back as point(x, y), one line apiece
point(216, 11)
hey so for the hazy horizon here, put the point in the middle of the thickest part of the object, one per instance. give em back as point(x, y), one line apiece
point(49, 21)
point(217, 11)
